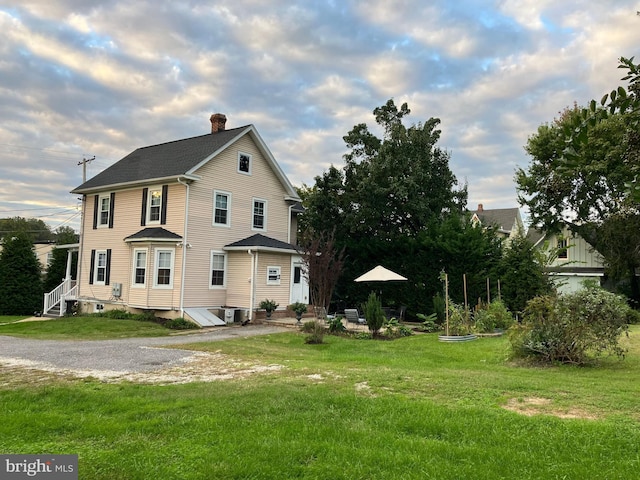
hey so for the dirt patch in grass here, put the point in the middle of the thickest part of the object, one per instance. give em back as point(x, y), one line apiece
point(200, 367)
point(531, 406)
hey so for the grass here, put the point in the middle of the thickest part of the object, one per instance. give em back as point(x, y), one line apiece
point(84, 328)
point(410, 408)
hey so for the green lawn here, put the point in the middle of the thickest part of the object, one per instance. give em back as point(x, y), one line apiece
point(409, 408)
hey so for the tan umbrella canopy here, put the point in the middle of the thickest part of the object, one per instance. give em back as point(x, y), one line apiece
point(379, 274)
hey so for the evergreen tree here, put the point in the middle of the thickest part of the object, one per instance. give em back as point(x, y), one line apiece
point(20, 281)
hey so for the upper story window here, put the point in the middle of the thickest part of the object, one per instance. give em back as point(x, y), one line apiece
point(222, 208)
point(103, 214)
point(154, 205)
point(259, 214)
point(103, 210)
point(244, 163)
point(563, 248)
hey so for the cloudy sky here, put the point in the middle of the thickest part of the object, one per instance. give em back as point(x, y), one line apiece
point(82, 78)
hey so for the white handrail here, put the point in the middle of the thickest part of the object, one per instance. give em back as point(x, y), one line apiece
point(66, 289)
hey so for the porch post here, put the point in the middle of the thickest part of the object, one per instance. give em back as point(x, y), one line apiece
point(67, 275)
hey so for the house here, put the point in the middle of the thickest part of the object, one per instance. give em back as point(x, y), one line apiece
point(572, 259)
point(507, 220)
point(203, 227)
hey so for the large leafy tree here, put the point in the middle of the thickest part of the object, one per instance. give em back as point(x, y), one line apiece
point(20, 282)
point(580, 176)
point(35, 228)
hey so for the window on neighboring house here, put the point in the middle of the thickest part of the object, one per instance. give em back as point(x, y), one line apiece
point(244, 163)
point(218, 264)
point(164, 268)
point(100, 271)
point(563, 248)
point(273, 275)
point(259, 214)
point(140, 267)
point(221, 208)
point(49, 258)
point(103, 214)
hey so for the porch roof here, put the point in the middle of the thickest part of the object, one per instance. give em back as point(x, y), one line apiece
point(259, 242)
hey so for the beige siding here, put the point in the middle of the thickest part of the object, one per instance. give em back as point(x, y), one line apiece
point(239, 279)
point(127, 215)
point(221, 174)
point(579, 253)
point(279, 293)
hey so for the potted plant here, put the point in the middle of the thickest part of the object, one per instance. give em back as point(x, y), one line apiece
point(268, 306)
point(298, 308)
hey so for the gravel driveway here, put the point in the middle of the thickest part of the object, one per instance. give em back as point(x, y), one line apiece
point(135, 359)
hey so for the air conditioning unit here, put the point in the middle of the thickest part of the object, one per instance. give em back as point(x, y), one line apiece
point(116, 290)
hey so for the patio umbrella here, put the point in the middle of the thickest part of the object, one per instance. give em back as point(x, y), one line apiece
point(379, 274)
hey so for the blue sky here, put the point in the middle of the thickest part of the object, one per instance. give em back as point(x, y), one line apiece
point(85, 78)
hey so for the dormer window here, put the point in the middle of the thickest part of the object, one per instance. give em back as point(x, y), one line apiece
point(244, 163)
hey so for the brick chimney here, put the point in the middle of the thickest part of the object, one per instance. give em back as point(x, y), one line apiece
point(218, 121)
point(480, 207)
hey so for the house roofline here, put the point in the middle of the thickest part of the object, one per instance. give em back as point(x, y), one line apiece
point(150, 181)
point(259, 249)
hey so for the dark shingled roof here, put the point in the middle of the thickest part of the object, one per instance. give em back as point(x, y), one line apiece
point(535, 236)
point(258, 240)
point(154, 233)
point(503, 218)
point(161, 161)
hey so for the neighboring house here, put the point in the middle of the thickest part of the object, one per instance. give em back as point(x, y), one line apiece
point(573, 260)
point(202, 227)
point(507, 220)
point(44, 251)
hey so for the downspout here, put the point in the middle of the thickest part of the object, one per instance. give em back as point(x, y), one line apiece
point(184, 247)
point(254, 265)
point(289, 225)
point(81, 246)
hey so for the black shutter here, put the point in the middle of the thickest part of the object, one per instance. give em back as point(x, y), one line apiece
point(107, 274)
point(93, 266)
point(143, 219)
point(112, 201)
point(163, 212)
point(95, 212)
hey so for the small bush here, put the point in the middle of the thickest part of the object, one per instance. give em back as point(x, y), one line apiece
point(488, 318)
point(336, 325)
point(116, 314)
point(180, 324)
point(571, 328)
point(484, 321)
point(439, 308)
point(428, 324)
point(316, 332)
point(393, 329)
point(458, 320)
point(373, 313)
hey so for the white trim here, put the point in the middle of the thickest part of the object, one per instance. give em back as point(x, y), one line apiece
point(277, 272)
point(156, 256)
point(148, 220)
point(213, 220)
point(224, 274)
point(135, 267)
point(264, 214)
point(96, 267)
point(99, 223)
point(250, 166)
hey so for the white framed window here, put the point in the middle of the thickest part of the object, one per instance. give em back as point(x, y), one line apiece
point(221, 208)
point(218, 270)
point(244, 163)
point(163, 269)
point(154, 207)
point(139, 267)
point(259, 221)
point(104, 209)
point(273, 275)
point(563, 248)
point(100, 270)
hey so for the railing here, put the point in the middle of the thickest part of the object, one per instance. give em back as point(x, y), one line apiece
point(67, 289)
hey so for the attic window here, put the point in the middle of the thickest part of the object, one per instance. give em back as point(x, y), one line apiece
point(563, 247)
point(244, 163)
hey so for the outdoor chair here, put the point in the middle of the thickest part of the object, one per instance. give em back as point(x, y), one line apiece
point(352, 316)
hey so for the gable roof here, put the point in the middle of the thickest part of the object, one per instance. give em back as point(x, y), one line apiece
point(503, 218)
point(262, 243)
point(177, 159)
point(535, 236)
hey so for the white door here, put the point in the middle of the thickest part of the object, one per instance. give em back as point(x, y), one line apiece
point(299, 285)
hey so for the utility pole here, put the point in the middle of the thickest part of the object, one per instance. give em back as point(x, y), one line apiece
point(84, 167)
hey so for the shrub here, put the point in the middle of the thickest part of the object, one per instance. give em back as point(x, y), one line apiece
point(439, 308)
point(180, 324)
point(502, 318)
point(269, 305)
point(428, 324)
point(373, 313)
point(484, 321)
point(393, 329)
point(336, 325)
point(458, 320)
point(316, 332)
point(571, 328)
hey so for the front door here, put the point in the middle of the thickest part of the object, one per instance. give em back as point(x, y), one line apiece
point(299, 285)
